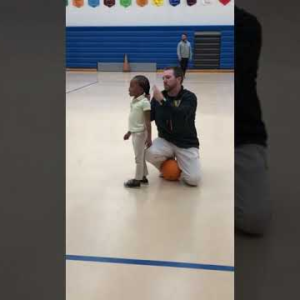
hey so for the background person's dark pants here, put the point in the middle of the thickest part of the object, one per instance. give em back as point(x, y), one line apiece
point(184, 64)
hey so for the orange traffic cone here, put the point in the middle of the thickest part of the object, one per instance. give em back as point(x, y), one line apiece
point(126, 67)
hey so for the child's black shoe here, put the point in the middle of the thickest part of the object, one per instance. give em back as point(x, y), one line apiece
point(133, 183)
point(144, 180)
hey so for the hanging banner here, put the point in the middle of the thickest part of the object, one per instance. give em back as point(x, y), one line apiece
point(191, 2)
point(158, 2)
point(141, 2)
point(109, 3)
point(174, 2)
point(125, 3)
point(78, 3)
point(224, 2)
point(94, 3)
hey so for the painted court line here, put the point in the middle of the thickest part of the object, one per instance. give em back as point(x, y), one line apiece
point(156, 263)
point(82, 87)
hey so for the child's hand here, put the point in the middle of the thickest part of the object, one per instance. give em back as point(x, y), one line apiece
point(127, 135)
point(148, 142)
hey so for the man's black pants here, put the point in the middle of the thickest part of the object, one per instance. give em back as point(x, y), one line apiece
point(184, 64)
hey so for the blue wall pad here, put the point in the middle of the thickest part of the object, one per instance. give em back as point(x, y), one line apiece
point(86, 46)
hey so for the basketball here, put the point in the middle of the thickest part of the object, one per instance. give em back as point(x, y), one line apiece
point(170, 170)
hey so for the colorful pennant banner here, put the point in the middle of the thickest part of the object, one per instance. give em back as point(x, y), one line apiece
point(141, 2)
point(191, 2)
point(94, 3)
point(158, 2)
point(174, 2)
point(78, 3)
point(109, 3)
point(224, 2)
point(125, 3)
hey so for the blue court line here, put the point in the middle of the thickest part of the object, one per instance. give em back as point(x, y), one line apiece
point(82, 87)
point(156, 263)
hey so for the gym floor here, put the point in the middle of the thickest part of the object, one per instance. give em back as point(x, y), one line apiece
point(165, 240)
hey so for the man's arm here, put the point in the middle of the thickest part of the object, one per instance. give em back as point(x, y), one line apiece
point(187, 106)
point(178, 51)
point(153, 106)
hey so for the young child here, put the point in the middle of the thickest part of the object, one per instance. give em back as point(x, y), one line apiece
point(139, 128)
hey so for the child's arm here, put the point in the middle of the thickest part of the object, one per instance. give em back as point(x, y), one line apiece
point(148, 127)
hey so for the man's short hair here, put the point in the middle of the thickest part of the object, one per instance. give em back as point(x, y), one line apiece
point(177, 72)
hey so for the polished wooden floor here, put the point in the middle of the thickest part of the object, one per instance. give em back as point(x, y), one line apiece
point(162, 222)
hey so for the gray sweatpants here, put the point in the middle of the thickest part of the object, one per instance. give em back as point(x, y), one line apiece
point(188, 159)
point(252, 197)
point(138, 142)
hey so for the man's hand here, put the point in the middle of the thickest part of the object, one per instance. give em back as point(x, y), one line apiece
point(157, 94)
point(127, 135)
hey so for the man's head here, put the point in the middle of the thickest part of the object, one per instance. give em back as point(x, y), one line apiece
point(184, 37)
point(173, 78)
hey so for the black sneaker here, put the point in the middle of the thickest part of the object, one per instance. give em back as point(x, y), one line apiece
point(133, 183)
point(144, 180)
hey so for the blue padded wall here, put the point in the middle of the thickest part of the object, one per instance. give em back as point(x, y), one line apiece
point(86, 46)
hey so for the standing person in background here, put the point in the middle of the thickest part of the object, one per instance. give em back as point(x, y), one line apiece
point(184, 52)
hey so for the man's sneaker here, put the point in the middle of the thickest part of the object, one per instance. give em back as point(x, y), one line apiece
point(144, 180)
point(133, 183)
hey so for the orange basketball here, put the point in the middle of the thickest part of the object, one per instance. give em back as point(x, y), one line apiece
point(170, 170)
